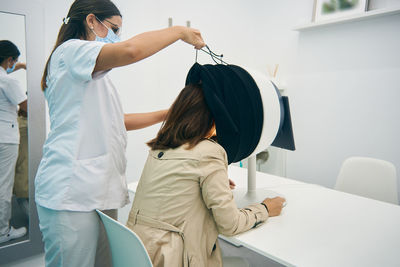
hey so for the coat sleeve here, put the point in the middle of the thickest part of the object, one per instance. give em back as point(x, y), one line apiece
point(218, 197)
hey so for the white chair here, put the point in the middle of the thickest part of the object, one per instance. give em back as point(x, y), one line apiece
point(126, 247)
point(368, 177)
point(128, 250)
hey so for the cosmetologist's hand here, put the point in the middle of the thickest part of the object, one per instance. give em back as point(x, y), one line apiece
point(20, 65)
point(193, 37)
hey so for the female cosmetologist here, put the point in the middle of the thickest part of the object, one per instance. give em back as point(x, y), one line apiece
point(83, 164)
point(183, 200)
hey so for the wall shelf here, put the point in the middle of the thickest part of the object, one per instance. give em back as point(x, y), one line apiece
point(363, 16)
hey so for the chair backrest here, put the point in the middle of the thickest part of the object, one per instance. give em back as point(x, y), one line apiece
point(127, 250)
point(368, 177)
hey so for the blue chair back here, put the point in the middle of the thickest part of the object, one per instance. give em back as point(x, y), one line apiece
point(127, 250)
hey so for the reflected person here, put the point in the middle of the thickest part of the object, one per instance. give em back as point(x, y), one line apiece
point(11, 96)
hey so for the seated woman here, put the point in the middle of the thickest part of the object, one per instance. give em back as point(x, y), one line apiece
point(183, 200)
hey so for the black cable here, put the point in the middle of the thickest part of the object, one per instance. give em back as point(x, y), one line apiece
point(214, 56)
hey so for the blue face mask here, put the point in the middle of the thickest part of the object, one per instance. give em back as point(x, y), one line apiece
point(111, 37)
point(9, 70)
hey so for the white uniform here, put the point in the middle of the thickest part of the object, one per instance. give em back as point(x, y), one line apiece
point(83, 164)
point(10, 96)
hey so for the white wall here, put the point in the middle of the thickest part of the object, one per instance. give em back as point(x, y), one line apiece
point(345, 101)
point(255, 35)
point(342, 80)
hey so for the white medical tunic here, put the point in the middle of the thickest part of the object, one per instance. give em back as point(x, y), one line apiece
point(83, 164)
point(10, 96)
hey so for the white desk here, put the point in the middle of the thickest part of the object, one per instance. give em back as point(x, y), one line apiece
point(321, 226)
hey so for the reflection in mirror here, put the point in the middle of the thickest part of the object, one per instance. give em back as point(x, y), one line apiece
point(14, 191)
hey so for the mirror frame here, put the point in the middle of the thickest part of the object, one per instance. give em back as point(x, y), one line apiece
point(33, 11)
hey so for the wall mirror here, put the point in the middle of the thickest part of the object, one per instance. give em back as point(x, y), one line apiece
point(16, 204)
point(23, 25)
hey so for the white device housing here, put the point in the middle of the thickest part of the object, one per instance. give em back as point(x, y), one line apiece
point(271, 108)
point(271, 123)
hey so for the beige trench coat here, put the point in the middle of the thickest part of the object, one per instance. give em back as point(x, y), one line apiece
point(183, 201)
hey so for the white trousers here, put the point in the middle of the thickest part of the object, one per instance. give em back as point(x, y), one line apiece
point(74, 238)
point(8, 159)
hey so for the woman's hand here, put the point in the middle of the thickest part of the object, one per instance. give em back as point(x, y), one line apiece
point(193, 37)
point(232, 184)
point(274, 205)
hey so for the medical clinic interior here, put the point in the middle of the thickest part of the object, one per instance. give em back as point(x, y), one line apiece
point(177, 133)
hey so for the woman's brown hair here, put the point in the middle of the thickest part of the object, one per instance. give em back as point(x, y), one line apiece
point(188, 121)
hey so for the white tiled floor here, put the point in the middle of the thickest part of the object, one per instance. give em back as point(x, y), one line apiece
point(254, 259)
point(34, 261)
